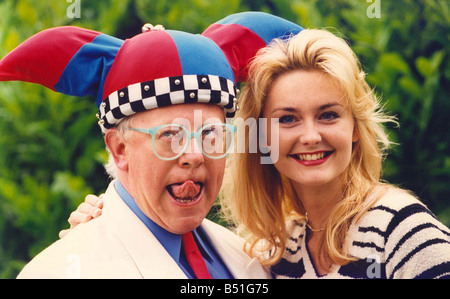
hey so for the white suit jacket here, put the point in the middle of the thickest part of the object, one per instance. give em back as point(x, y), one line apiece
point(119, 245)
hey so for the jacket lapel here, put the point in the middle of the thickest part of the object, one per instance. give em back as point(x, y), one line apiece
point(230, 248)
point(149, 256)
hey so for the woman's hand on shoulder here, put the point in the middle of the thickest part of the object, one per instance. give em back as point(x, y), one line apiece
point(90, 209)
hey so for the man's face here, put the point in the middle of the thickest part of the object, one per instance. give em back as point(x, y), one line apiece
point(176, 194)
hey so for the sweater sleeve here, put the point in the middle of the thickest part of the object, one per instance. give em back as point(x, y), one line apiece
point(417, 245)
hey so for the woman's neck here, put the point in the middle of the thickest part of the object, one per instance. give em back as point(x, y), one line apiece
point(318, 201)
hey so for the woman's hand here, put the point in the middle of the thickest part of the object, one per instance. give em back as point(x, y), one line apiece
point(90, 209)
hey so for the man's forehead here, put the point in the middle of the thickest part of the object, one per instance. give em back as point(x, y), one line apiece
point(197, 112)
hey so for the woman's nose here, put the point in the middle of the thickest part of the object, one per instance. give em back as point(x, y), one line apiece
point(310, 134)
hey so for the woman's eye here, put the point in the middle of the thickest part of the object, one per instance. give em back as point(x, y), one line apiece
point(287, 119)
point(329, 116)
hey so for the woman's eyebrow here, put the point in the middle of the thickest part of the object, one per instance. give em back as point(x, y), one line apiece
point(327, 106)
point(286, 109)
point(293, 109)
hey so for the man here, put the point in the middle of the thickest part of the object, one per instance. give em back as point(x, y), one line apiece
point(163, 97)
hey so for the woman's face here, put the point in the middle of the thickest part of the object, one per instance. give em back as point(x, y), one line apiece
point(316, 128)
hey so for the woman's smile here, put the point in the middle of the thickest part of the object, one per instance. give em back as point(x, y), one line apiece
point(312, 159)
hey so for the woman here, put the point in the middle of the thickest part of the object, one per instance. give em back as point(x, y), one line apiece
point(342, 221)
point(321, 209)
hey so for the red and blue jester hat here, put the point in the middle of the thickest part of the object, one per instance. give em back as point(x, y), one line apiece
point(153, 69)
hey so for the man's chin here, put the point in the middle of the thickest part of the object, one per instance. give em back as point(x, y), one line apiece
point(185, 226)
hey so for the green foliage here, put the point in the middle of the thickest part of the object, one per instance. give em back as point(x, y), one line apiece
point(51, 151)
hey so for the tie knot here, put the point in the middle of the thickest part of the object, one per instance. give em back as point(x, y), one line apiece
point(189, 242)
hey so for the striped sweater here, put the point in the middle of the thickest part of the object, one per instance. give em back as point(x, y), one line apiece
point(397, 238)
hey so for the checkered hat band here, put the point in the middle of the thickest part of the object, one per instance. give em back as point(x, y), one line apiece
point(167, 91)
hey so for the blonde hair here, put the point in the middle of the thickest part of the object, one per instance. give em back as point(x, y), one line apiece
point(258, 198)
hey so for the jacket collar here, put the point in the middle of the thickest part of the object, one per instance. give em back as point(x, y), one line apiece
point(149, 256)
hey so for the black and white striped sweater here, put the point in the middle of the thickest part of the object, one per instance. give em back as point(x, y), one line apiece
point(397, 238)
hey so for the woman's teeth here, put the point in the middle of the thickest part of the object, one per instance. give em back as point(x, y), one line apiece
point(311, 157)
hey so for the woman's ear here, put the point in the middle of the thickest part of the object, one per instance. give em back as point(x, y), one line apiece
point(355, 136)
point(116, 145)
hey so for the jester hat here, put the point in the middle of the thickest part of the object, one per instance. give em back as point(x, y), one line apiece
point(153, 69)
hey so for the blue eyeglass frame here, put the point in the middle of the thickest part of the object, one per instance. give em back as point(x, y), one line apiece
point(197, 135)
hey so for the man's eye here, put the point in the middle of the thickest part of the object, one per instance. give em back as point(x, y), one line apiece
point(208, 133)
point(170, 133)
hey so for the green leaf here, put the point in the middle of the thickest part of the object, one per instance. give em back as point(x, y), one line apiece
point(424, 67)
point(394, 62)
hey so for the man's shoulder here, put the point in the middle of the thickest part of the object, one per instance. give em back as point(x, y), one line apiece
point(231, 248)
point(218, 229)
point(224, 239)
point(86, 249)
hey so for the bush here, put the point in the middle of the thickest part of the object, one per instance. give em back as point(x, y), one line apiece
point(51, 151)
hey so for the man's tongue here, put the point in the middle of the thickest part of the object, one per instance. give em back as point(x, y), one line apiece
point(186, 190)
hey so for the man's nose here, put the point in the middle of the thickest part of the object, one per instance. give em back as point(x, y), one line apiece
point(193, 156)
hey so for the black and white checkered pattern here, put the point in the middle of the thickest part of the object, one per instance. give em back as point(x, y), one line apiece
point(164, 92)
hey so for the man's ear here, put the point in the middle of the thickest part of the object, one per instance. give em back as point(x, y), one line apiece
point(116, 145)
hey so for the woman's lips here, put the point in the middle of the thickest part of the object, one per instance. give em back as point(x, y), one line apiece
point(312, 159)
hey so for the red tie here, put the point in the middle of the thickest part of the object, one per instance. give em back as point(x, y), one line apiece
point(194, 257)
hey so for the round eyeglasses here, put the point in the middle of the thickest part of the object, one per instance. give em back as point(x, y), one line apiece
point(172, 140)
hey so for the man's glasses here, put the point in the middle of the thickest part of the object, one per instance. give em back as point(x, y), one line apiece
point(171, 141)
